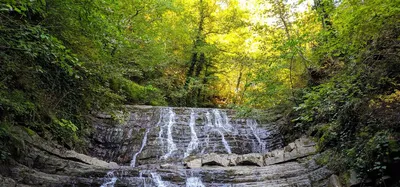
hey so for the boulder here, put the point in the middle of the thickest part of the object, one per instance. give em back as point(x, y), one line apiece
point(213, 159)
point(233, 159)
point(195, 163)
point(250, 159)
point(274, 157)
point(300, 148)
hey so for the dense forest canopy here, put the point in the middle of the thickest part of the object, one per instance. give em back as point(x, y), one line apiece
point(333, 64)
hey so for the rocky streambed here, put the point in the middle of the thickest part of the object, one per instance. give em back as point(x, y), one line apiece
point(157, 146)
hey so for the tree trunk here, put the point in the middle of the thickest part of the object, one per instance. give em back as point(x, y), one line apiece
point(191, 69)
point(197, 62)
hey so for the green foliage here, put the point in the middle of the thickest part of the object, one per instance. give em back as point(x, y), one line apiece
point(337, 63)
point(136, 93)
point(59, 60)
point(24, 8)
point(380, 152)
point(39, 76)
point(351, 112)
point(328, 101)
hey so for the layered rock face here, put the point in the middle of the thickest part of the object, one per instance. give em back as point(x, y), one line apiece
point(300, 148)
point(168, 147)
point(175, 133)
point(49, 165)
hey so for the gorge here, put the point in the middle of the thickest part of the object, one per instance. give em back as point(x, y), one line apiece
point(284, 93)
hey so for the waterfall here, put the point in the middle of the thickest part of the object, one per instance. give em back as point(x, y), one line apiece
point(222, 122)
point(171, 146)
point(220, 125)
point(170, 137)
point(194, 142)
point(253, 126)
point(142, 179)
point(160, 124)
point(226, 145)
point(208, 117)
point(194, 182)
point(111, 179)
point(133, 162)
point(157, 180)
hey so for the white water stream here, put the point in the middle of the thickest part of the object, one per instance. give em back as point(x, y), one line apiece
point(253, 126)
point(194, 182)
point(133, 161)
point(171, 146)
point(214, 133)
point(157, 180)
point(221, 125)
point(194, 142)
point(111, 179)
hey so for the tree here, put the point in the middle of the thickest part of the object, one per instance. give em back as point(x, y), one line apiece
point(214, 19)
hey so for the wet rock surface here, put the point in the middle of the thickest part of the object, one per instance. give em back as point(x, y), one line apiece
point(197, 155)
point(302, 147)
point(118, 142)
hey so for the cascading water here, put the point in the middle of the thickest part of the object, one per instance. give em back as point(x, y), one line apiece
point(194, 182)
point(110, 180)
point(252, 123)
point(226, 145)
point(222, 120)
point(157, 180)
point(171, 146)
point(133, 162)
point(194, 142)
point(174, 134)
point(222, 125)
point(217, 122)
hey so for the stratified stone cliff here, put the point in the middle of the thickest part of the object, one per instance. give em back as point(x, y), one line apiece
point(158, 146)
